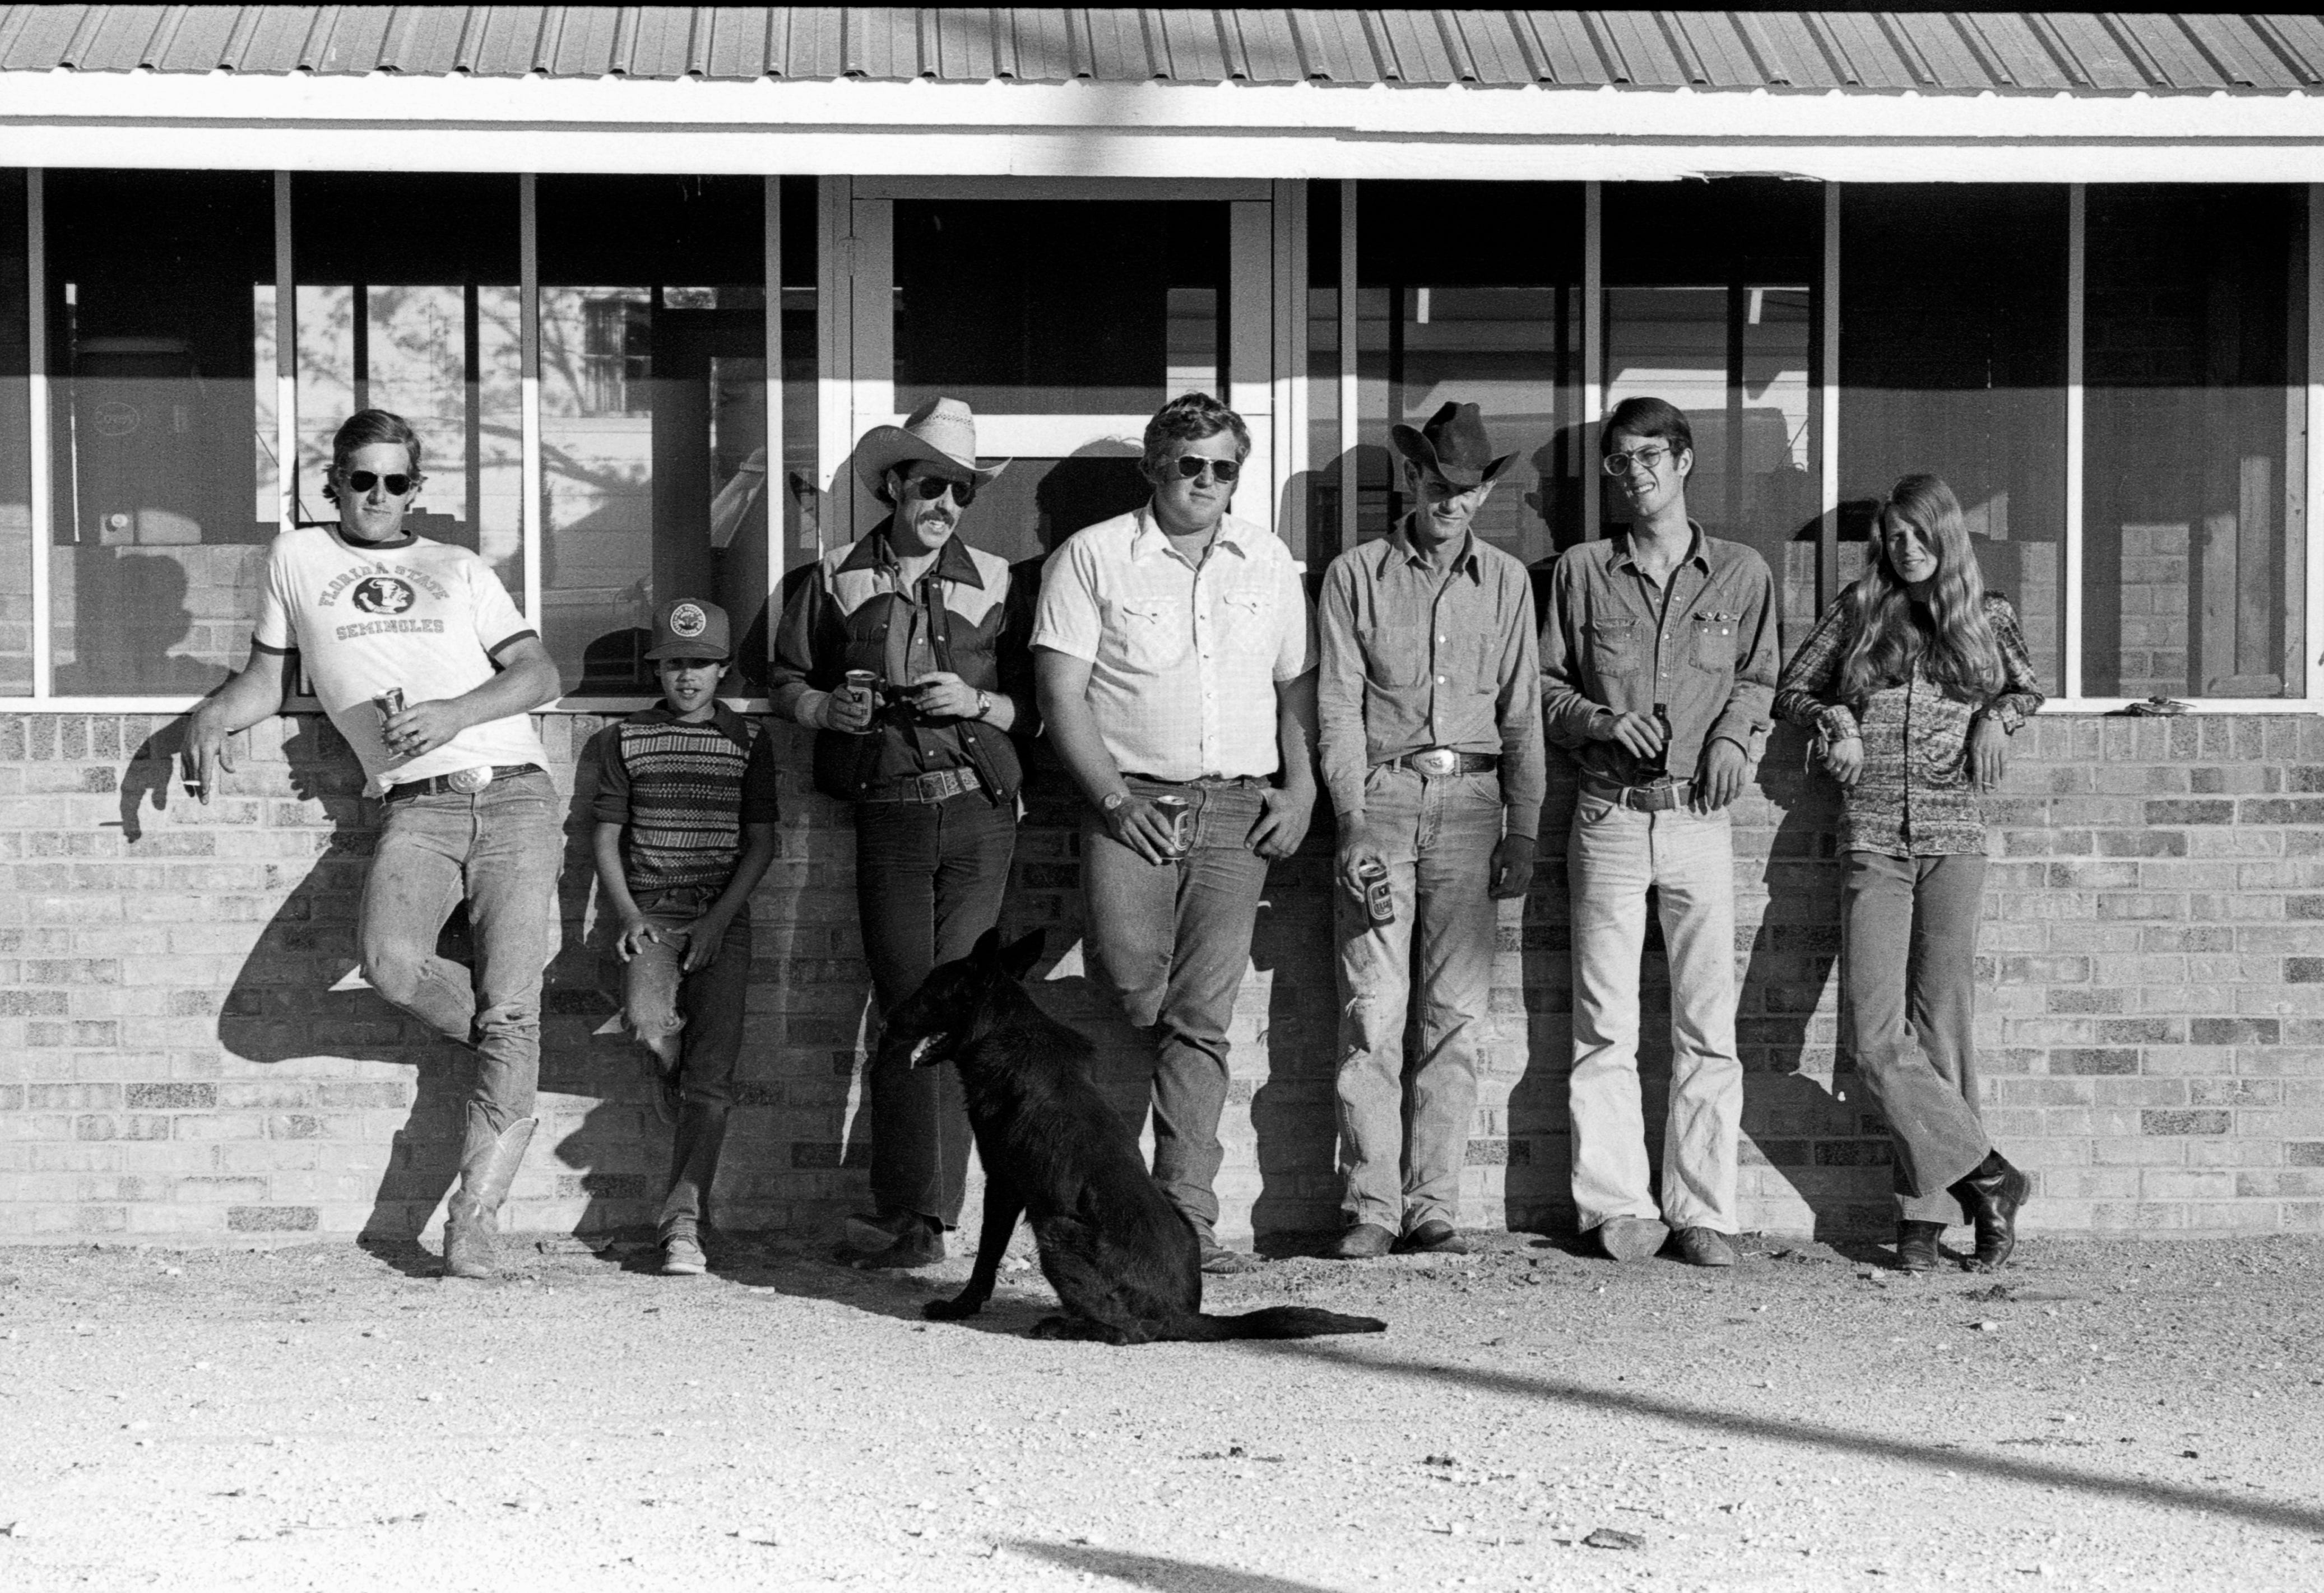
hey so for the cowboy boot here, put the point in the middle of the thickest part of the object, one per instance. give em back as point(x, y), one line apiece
point(1916, 1246)
point(488, 1164)
point(1992, 1196)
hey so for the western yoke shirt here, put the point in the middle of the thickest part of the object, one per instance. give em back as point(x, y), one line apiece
point(1702, 643)
point(1414, 658)
point(1184, 654)
point(685, 793)
point(1915, 797)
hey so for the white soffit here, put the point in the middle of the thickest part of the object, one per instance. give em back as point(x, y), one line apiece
point(1120, 130)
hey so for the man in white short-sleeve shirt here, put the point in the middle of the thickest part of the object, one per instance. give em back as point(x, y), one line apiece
point(1176, 661)
point(471, 813)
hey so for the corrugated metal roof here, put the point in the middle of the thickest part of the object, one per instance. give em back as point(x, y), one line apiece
point(1930, 53)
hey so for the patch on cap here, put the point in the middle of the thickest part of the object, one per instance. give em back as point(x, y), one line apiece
point(687, 621)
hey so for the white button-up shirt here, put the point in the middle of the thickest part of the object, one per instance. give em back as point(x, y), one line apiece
point(1183, 656)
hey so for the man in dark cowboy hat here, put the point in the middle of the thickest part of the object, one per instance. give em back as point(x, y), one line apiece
point(1429, 711)
point(925, 756)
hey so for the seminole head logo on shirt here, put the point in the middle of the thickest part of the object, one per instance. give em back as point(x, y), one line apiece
point(382, 595)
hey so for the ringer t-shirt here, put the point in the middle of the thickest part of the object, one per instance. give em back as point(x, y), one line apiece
point(423, 615)
point(684, 792)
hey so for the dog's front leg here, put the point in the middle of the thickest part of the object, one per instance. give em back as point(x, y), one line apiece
point(1002, 1207)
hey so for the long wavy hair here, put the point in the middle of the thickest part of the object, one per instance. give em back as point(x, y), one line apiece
point(1944, 629)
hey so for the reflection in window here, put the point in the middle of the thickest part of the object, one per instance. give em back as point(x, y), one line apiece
point(2194, 565)
point(653, 416)
point(1709, 305)
point(1058, 306)
point(1496, 322)
point(1953, 360)
point(424, 321)
point(15, 443)
point(160, 516)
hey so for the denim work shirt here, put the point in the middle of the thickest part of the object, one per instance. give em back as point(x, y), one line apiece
point(1614, 642)
point(1915, 798)
point(1413, 658)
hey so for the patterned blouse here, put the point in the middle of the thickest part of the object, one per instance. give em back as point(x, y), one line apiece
point(1915, 798)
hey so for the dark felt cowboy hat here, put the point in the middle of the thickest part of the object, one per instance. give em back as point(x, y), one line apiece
point(1452, 445)
point(941, 431)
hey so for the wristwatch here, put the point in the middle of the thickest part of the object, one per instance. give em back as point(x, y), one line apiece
point(983, 705)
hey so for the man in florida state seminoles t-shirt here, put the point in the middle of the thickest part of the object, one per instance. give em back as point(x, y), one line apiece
point(471, 813)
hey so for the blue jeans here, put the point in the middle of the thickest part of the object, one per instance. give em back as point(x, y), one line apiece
point(1172, 940)
point(929, 877)
point(1613, 856)
point(1908, 968)
point(705, 1009)
point(1437, 838)
point(498, 849)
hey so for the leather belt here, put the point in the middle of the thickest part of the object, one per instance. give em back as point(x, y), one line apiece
point(935, 786)
point(1439, 763)
point(460, 782)
point(1660, 798)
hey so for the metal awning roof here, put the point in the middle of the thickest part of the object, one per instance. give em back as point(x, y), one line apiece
point(2046, 53)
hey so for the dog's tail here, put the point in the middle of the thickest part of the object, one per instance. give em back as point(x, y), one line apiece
point(1277, 1322)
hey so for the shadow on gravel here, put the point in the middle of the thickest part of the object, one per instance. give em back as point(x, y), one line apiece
point(1838, 1440)
point(898, 1295)
point(1154, 1571)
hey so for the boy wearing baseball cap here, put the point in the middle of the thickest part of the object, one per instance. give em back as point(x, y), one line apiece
point(686, 813)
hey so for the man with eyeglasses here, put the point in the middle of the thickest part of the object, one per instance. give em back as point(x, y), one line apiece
point(1177, 668)
point(1428, 705)
point(1658, 663)
point(905, 652)
point(423, 664)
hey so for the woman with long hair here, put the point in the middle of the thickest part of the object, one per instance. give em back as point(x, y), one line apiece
point(1913, 681)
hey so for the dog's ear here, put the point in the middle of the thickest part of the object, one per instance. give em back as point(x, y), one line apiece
point(986, 952)
point(1018, 960)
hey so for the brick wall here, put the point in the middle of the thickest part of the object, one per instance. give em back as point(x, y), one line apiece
point(177, 1063)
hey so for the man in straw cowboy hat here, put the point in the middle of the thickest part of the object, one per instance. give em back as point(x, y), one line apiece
point(1428, 706)
point(933, 633)
point(1177, 664)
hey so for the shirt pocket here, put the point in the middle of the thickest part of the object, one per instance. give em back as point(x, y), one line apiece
point(1145, 632)
point(1246, 621)
point(1392, 657)
point(1615, 646)
point(1714, 639)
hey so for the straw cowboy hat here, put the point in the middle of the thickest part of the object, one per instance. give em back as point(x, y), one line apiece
point(941, 431)
point(1452, 445)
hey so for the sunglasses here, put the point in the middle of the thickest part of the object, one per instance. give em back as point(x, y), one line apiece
point(1191, 466)
point(929, 488)
point(363, 480)
point(1646, 459)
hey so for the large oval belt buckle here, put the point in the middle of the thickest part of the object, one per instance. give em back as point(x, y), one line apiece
point(1437, 762)
point(467, 782)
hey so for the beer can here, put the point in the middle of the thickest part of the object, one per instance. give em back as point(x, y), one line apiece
point(1178, 817)
point(1379, 896)
point(864, 684)
point(389, 702)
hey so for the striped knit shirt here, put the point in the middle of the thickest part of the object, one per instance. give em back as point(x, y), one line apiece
point(684, 792)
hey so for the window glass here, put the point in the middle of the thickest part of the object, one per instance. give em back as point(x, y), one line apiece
point(407, 301)
point(15, 443)
point(1471, 292)
point(1952, 352)
point(1711, 304)
point(2194, 466)
point(161, 505)
point(653, 416)
point(1058, 306)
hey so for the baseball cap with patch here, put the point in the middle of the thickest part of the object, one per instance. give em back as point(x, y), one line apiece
point(690, 628)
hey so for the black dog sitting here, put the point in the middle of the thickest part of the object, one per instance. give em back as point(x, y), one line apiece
point(1123, 1260)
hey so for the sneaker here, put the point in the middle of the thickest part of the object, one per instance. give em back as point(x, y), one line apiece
point(1220, 1262)
point(1631, 1238)
point(682, 1256)
point(1705, 1246)
point(1434, 1236)
point(920, 1245)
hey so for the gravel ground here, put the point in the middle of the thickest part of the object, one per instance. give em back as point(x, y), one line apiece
point(2112, 1414)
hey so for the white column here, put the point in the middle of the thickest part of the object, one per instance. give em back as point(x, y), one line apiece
point(1594, 350)
point(1827, 563)
point(1351, 388)
point(2070, 598)
point(36, 378)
